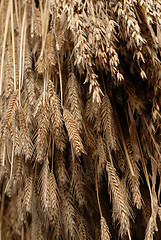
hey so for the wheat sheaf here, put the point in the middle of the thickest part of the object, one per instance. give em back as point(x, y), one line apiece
point(80, 86)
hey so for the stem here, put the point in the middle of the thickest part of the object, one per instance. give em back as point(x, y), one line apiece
point(32, 20)
point(44, 92)
point(19, 13)
point(22, 233)
point(4, 43)
point(125, 149)
point(61, 83)
point(52, 157)
point(11, 172)
point(1, 6)
point(143, 162)
point(104, 86)
point(45, 22)
point(21, 50)
point(73, 155)
point(16, 11)
point(98, 199)
point(23, 55)
point(158, 151)
point(4, 154)
point(2, 209)
point(13, 46)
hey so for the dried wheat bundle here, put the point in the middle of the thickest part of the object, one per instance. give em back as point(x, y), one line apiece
point(80, 115)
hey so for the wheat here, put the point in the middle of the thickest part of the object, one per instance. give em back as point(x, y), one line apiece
point(108, 122)
point(53, 208)
point(11, 110)
point(84, 232)
point(43, 122)
point(44, 187)
point(69, 216)
point(36, 223)
point(15, 135)
point(37, 21)
point(73, 132)
point(73, 100)
point(73, 73)
point(24, 132)
point(122, 210)
point(27, 202)
point(102, 157)
point(59, 30)
point(134, 180)
point(77, 184)
point(61, 171)
point(41, 64)
point(9, 74)
point(30, 86)
point(105, 235)
point(50, 48)
point(56, 117)
point(151, 227)
point(19, 168)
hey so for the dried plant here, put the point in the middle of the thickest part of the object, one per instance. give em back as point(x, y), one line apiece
point(80, 86)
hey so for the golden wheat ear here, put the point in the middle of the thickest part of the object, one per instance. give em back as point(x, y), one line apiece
point(9, 73)
point(108, 122)
point(134, 180)
point(27, 202)
point(59, 30)
point(54, 205)
point(50, 49)
point(56, 117)
point(69, 214)
point(73, 132)
point(44, 184)
point(12, 106)
point(105, 234)
point(73, 100)
point(120, 204)
point(61, 170)
point(78, 184)
point(42, 134)
point(36, 225)
point(25, 135)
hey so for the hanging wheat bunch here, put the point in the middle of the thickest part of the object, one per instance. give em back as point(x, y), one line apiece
point(80, 115)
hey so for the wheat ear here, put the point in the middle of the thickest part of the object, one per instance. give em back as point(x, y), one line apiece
point(73, 100)
point(105, 234)
point(122, 209)
point(25, 136)
point(73, 133)
point(108, 122)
